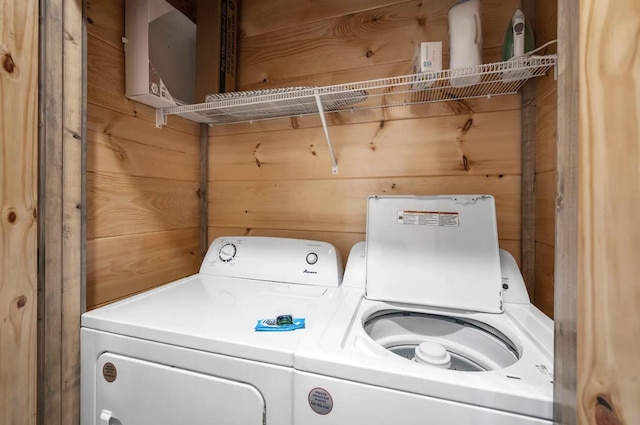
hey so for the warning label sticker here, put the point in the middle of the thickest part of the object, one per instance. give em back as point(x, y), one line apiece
point(429, 218)
point(320, 401)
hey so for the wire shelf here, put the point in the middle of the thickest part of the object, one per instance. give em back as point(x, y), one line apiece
point(486, 80)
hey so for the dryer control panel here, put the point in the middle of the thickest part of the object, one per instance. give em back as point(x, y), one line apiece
point(286, 260)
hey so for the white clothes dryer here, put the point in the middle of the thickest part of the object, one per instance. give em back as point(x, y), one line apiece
point(187, 352)
point(435, 326)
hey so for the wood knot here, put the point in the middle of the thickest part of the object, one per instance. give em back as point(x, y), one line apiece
point(12, 217)
point(118, 151)
point(89, 21)
point(369, 53)
point(8, 64)
point(312, 150)
point(422, 21)
point(605, 413)
point(255, 154)
point(466, 127)
point(295, 124)
point(465, 163)
point(21, 301)
point(604, 402)
point(382, 124)
point(69, 37)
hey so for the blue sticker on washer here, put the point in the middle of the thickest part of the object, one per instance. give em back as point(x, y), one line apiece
point(320, 401)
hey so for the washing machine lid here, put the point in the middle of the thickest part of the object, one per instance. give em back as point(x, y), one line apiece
point(434, 250)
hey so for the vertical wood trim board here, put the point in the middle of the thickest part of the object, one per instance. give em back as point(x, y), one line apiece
point(50, 212)
point(608, 363)
point(528, 154)
point(203, 190)
point(73, 235)
point(18, 212)
point(60, 211)
point(566, 240)
point(546, 22)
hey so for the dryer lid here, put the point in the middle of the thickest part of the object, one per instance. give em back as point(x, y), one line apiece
point(438, 250)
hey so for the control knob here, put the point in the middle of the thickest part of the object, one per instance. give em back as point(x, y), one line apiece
point(227, 252)
point(312, 258)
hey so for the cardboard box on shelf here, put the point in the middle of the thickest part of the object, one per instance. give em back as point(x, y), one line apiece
point(427, 58)
point(216, 46)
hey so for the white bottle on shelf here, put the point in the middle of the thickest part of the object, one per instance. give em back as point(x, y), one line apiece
point(465, 42)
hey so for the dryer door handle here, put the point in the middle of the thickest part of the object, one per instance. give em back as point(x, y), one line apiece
point(106, 418)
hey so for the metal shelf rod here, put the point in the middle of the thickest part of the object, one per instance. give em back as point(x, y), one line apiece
point(334, 163)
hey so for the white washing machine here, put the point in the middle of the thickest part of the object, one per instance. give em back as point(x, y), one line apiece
point(188, 352)
point(435, 326)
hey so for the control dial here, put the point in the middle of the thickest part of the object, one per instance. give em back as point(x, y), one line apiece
point(312, 258)
point(227, 252)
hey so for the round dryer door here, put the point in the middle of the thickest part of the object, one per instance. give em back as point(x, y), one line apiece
point(442, 341)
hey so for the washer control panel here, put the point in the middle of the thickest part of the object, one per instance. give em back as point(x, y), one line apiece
point(275, 259)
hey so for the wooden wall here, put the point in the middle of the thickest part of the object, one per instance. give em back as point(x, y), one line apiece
point(546, 23)
point(608, 321)
point(274, 178)
point(142, 182)
point(18, 209)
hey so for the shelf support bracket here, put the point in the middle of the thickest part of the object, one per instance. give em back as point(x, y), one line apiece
point(161, 118)
point(334, 163)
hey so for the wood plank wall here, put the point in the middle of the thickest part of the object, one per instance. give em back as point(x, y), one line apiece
point(545, 185)
point(142, 182)
point(18, 199)
point(608, 321)
point(274, 178)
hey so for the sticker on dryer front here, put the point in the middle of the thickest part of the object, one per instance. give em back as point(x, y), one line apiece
point(429, 218)
point(109, 372)
point(320, 401)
